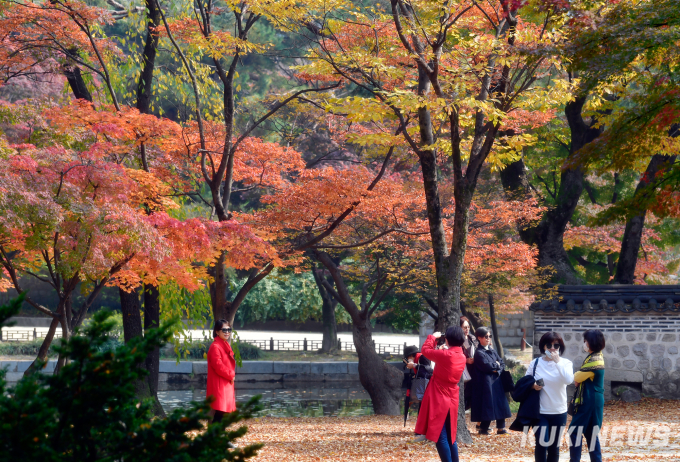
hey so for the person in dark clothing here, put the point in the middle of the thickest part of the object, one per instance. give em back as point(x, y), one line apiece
point(488, 396)
point(415, 363)
point(469, 348)
point(589, 399)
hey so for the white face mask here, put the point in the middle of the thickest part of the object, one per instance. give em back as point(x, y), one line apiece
point(585, 347)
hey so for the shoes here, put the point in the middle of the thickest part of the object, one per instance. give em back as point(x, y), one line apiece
point(483, 432)
point(418, 439)
point(502, 431)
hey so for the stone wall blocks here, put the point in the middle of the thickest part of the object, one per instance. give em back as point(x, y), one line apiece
point(643, 364)
point(623, 351)
point(629, 364)
point(667, 364)
point(668, 338)
point(618, 375)
point(640, 349)
point(353, 368)
point(657, 349)
point(258, 377)
point(200, 367)
point(615, 363)
point(339, 367)
point(651, 337)
point(630, 337)
point(673, 350)
point(292, 367)
point(256, 367)
point(183, 367)
point(617, 337)
point(609, 349)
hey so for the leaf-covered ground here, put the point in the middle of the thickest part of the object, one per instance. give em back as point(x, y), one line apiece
point(382, 438)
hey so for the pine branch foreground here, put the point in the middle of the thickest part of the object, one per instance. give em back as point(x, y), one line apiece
point(89, 411)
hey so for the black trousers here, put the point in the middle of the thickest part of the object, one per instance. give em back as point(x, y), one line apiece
point(218, 416)
point(548, 435)
point(484, 425)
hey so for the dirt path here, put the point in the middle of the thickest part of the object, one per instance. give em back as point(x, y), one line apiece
point(382, 438)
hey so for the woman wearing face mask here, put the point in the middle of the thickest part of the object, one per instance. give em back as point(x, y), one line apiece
point(556, 373)
point(589, 399)
point(488, 396)
point(469, 348)
point(221, 371)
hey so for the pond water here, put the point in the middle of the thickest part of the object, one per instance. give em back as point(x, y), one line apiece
point(302, 400)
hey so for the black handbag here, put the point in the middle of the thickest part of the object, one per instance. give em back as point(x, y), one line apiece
point(418, 386)
point(570, 406)
point(506, 380)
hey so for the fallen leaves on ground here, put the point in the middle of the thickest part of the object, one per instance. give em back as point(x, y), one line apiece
point(384, 438)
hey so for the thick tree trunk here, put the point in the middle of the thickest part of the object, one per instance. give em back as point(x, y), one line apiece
point(381, 380)
point(632, 236)
point(149, 58)
point(130, 307)
point(44, 348)
point(329, 341)
point(450, 315)
point(66, 332)
point(548, 235)
point(219, 287)
point(76, 82)
point(152, 313)
point(494, 327)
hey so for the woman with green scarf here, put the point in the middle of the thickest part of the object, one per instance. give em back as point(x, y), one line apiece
point(589, 399)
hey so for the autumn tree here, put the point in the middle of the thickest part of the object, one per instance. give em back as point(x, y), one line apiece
point(375, 250)
point(616, 104)
point(453, 77)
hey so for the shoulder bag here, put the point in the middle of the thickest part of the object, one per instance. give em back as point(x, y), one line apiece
point(506, 380)
point(419, 385)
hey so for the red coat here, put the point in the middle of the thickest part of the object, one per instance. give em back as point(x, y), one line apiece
point(441, 395)
point(221, 373)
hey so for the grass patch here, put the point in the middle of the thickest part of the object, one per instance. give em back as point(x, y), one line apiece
point(198, 350)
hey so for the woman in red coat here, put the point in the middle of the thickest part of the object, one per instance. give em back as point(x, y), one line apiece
point(221, 371)
point(438, 417)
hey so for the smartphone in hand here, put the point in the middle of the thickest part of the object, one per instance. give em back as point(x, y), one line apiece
point(540, 382)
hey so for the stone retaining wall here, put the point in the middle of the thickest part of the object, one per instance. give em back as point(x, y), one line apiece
point(642, 350)
point(251, 371)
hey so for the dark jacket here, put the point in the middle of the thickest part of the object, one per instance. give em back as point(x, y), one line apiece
point(530, 403)
point(488, 397)
point(591, 411)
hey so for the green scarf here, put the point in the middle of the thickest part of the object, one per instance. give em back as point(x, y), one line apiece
point(593, 362)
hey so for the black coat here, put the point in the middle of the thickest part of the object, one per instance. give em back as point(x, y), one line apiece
point(530, 403)
point(488, 397)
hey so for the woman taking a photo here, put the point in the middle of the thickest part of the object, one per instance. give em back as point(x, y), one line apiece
point(221, 371)
point(589, 399)
point(555, 373)
point(488, 396)
point(469, 347)
point(438, 417)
